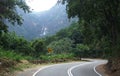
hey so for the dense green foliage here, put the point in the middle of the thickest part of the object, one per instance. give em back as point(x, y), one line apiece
point(100, 27)
point(10, 54)
point(78, 46)
point(95, 35)
point(73, 32)
point(17, 48)
point(61, 46)
point(82, 50)
point(39, 47)
point(99, 21)
point(10, 41)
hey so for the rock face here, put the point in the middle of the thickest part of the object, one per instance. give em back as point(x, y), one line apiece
point(40, 24)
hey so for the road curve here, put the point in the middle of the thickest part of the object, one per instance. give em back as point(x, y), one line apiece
point(71, 69)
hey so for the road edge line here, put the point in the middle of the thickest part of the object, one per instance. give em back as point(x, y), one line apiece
point(44, 67)
point(96, 71)
point(41, 69)
point(70, 70)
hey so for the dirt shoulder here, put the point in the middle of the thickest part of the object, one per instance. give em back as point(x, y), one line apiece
point(101, 70)
point(30, 71)
point(106, 72)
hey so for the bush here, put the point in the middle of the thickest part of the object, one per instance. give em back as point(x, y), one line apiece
point(61, 46)
point(39, 47)
point(11, 41)
point(81, 50)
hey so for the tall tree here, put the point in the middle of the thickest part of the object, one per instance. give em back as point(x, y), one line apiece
point(8, 12)
point(100, 24)
point(99, 20)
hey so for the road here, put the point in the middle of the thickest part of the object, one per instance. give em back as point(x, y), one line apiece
point(71, 69)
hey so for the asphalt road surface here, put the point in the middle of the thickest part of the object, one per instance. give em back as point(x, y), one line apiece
point(71, 69)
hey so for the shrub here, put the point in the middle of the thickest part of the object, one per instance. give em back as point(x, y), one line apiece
point(61, 46)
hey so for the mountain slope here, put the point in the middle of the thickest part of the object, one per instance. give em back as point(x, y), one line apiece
point(42, 24)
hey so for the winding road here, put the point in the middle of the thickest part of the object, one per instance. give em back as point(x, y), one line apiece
point(72, 69)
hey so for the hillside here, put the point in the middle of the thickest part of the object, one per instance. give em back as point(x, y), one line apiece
point(40, 24)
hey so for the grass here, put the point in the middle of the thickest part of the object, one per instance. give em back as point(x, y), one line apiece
point(9, 54)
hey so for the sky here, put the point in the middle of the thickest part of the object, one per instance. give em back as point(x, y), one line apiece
point(41, 5)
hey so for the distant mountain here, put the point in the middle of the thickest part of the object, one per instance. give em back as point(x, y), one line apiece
point(42, 24)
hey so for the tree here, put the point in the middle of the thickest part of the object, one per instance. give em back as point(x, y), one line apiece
point(98, 19)
point(10, 41)
point(73, 32)
point(39, 46)
point(61, 34)
point(81, 51)
point(8, 13)
point(100, 23)
point(61, 46)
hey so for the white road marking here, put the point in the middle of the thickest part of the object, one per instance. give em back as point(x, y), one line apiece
point(42, 69)
point(98, 65)
point(96, 71)
point(70, 70)
point(48, 67)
